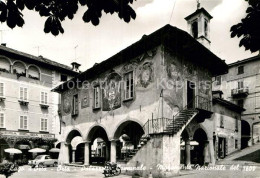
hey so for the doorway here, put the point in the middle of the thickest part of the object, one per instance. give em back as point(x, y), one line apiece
point(190, 94)
point(222, 147)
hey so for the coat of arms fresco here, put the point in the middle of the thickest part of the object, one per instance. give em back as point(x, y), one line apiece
point(112, 92)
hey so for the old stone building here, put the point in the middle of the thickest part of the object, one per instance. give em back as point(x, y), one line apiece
point(153, 96)
point(28, 109)
point(241, 86)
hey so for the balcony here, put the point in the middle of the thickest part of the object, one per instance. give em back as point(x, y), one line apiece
point(2, 98)
point(240, 92)
point(44, 106)
point(23, 102)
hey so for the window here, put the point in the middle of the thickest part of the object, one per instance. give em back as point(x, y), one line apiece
point(240, 84)
point(2, 120)
point(63, 78)
point(75, 106)
point(194, 29)
point(23, 94)
point(218, 80)
point(206, 27)
point(23, 122)
point(44, 123)
point(96, 97)
point(221, 121)
point(240, 70)
point(236, 144)
point(236, 124)
point(44, 98)
point(1, 89)
point(129, 85)
point(240, 103)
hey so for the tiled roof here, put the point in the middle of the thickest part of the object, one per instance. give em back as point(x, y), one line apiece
point(169, 36)
point(33, 59)
point(255, 58)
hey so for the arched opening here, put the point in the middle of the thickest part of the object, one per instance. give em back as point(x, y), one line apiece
point(3, 155)
point(194, 29)
point(245, 134)
point(5, 65)
point(76, 153)
point(19, 68)
point(34, 73)
point(128, 136)
point(99, 144)
point(23, 158)
point(200, 154)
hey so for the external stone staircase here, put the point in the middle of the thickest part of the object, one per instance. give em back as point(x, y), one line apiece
point(180, 121)
point(199, 106)
point(174, 126)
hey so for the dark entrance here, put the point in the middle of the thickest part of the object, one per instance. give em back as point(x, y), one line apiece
point(221, 147)
point(190, 94)
point(245, 134)
point(199, 153)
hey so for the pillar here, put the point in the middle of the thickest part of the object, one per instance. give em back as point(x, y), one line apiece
point(64, 153)
point(187, 152)
point(113, 151)
point(73, 155)
point(107, 151)
point(206, 152)
point(86, 154)
point(212, 152)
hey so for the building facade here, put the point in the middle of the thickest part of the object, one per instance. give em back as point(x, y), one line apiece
point(241, 86)
point(28, 109)
point(153, 95)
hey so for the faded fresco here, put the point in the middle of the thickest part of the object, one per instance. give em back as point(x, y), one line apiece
point(145, 75)
point(84, 98)
point(111, 92)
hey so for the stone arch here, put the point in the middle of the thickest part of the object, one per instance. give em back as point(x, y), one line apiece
point(123, 123)
point(74, 132)
point(92, 131)
point(16, 68)
point(5, 63)
point(34, 73)
point(245, 133)
point(96, 136)
point(201, 151)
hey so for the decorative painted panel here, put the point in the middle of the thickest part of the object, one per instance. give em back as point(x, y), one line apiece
point(145, 75)
point(112, 92)
point(84, 98)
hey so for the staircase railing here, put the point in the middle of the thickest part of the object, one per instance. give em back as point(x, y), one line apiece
point(158, 125)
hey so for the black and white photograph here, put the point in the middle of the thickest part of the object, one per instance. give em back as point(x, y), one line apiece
point(130, 88)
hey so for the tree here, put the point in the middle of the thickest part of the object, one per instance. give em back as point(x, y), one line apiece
point(57, 11)
point(249, 27)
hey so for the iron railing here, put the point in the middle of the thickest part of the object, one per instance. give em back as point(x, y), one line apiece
point(237, 91)
point(159, 125)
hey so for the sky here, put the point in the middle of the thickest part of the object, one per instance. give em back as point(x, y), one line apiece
point(88, 44)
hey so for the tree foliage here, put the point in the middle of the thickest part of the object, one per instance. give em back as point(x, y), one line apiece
point(57, 11)
point(249, 27)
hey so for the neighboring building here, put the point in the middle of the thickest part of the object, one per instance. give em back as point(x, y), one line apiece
point(156, 91)
point(28, 109)
point(241, 85)
point(225, 124)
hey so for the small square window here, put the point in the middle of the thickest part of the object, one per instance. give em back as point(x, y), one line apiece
point(240, 70)
point(63, 78)
point(218, 80)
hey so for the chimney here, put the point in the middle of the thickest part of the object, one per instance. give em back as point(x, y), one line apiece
point(75, 66)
